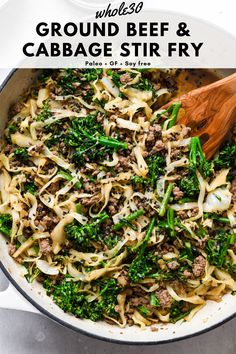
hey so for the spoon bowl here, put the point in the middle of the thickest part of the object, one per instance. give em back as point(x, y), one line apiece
point(210, 112)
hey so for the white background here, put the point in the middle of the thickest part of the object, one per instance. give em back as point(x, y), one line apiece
point(219, 12)
point(19, 18)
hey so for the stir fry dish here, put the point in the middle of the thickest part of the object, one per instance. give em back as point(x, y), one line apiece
point(111, 204)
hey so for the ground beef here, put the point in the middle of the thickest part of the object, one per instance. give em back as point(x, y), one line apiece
point(123, 279)
point(177, 193)
point(173, 265)
point(154, 329)
point(164, 298)
point(157, 86)
point(113, 118)
point(39, 147)
point(233, 190)
point(166, 248)
point(90, 201)
point(99, 117)
point(90, 187)
point(63, 147)
point(199, 266)
point(187, 274)
point(54, 187)
point(130, 322)
point(170, 84)
point(184, 214)
point(41, 211)
point(175, 153)
point(15, 109)
point(159, 145)
point(44, 246)
point(113, 206)
point(117, 308)
point(8, 149)
point(47, 222)
point(11, 249)
point(186, 131)
point(125, 78)
point(137, 301)
point(234, 246)
point(153, 135)
point(178, 287)
point(124, 163)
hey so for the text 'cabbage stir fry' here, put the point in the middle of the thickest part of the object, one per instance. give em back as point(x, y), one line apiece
point(110, 204)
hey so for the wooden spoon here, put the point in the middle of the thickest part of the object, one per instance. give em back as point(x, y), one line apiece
point(210, 112)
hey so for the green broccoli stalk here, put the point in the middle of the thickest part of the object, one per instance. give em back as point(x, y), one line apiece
point(166, 199)
point(178, 312)
point(187, 252)
point(144, 311)
point(140, 267)
point(174, 109)
point(67, 176)
point(171, 222)
point(128, 220)
point(216, 217)
point(6, 224)
point(197, 159)
point(82, 235)
point(154, 301)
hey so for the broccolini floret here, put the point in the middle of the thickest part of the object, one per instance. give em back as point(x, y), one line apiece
point(156, 167)
point(217, 248)
point(45, 112)
point(87, 137)
point(144, 85)
point(66, 295)
point(67, 80)
point(21, 155)
point(226, 157)
point(178, 312)
point(140, 267)
point(91, 74)
point(6, 224)
point(84, 235)
point(12, 128)
point(189, 185)
point(30, 187)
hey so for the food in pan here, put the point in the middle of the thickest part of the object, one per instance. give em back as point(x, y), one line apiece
point(111, 204)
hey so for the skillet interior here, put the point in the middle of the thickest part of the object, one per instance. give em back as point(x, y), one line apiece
point(210, 316)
